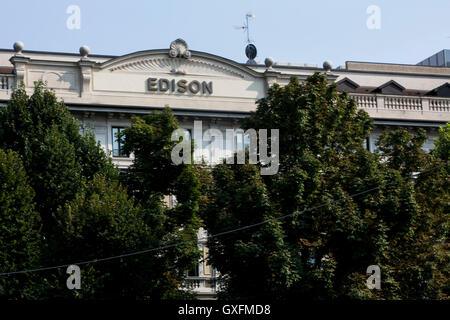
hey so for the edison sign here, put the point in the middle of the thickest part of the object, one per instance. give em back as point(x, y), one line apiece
point(180, 86)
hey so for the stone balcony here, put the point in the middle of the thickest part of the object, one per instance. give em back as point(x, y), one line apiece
point(417, 108)
point(204, 287)
point(6, 82)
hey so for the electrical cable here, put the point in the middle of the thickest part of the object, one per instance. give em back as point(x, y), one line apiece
point(217, 234)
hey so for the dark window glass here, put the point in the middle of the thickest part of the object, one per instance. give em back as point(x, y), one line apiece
point(193, 272)
point(367, 144)
point(118, 142)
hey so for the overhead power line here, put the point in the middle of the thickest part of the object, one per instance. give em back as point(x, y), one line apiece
point(220, 233)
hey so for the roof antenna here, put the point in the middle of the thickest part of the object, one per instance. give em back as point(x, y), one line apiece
point(250, 49)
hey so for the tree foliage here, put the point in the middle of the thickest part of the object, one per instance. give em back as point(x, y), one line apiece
point(57, 159)
point(66, 200)
point(334, 208)
point(19, 228)
point(152, 177)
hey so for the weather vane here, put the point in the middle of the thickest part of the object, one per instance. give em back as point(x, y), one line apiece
point(250, 50)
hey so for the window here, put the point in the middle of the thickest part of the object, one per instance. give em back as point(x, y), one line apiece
point(367, 144)
point(193, 272)
point(118, 143)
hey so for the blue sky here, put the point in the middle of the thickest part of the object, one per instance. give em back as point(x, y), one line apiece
point(287, 30)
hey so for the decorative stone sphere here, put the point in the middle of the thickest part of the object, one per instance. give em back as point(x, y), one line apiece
point(18, 47)
point(327, 65)
point(269, 62)
point(84, 51)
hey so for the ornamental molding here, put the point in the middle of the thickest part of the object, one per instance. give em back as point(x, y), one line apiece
point(178, 60)
point(179, 48)
point(177, 66)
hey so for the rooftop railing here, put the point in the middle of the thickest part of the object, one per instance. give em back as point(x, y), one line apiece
point(402, 103)
point(6, 82)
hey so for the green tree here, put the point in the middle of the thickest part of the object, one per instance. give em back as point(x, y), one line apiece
point(56, 157)
point(256, 263)
point(334, 229)
point(101, 222)
point(19, 229)
point(430, 248)
point(151, 178)
point(86, 214)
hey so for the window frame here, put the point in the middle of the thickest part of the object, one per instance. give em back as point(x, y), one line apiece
point(120, 145)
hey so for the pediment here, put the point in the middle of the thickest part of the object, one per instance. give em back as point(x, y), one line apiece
point(347, 85)
point(163, 76)
point(441, 91)
point(390, 87)
point(159, 61)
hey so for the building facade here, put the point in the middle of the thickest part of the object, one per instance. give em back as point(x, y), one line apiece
point(104, 92)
